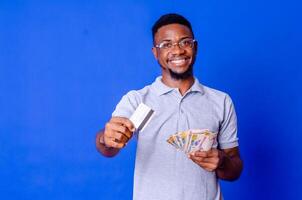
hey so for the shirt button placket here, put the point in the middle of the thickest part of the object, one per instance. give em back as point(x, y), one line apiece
point(181, 127)
point(181, 116)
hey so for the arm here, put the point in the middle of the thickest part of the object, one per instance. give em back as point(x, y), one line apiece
point(230, 166)
point(226, 162)
point(117, 133)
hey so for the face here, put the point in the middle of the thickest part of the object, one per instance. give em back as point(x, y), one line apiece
point(176, 62)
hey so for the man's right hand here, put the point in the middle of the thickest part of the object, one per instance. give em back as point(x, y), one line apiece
point(117, 132)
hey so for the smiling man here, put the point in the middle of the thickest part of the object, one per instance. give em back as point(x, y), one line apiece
point(180, 103)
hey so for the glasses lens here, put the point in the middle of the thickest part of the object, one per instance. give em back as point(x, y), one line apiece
point(186, 43)
point(165, 45)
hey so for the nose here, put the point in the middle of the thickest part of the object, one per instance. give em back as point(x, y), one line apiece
point(176, 49)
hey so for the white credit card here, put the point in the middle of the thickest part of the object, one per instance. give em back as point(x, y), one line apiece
point(141, 116)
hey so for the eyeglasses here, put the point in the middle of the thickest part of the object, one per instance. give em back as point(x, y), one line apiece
point(184, 43)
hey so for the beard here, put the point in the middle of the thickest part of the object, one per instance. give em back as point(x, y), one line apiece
point(183, 75)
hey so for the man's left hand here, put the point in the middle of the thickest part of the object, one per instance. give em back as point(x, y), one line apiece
point(208, 160)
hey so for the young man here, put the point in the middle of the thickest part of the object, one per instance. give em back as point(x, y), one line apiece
point(180, 103)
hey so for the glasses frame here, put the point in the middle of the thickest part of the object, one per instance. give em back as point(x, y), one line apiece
point(176, 43)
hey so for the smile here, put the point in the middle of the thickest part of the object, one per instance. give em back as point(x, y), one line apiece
point(178, 61)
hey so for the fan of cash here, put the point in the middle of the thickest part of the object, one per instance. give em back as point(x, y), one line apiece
point(193, 140)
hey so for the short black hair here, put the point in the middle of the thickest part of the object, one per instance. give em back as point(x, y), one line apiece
point(171, 18)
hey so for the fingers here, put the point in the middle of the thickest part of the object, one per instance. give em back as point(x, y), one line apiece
point(115, 140)
point(203, 157)
point(114, 127)
point(117, 132)
point(210, 153)
point(205, 160)
point(127, 133)
point(118, 137)
point(209, 160)
point(126, 122)
point(111, 143)
point(207, 166)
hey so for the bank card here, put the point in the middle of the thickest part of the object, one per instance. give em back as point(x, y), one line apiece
point(141, 116)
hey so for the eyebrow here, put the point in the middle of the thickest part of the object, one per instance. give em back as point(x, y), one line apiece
point(168, 40)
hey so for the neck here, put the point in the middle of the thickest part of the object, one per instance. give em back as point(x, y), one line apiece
point(182, 84)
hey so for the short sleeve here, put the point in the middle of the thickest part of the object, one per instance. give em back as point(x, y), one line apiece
point(127, 105)
point(227, 137)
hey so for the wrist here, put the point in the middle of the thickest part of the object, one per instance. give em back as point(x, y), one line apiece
point(222, 158)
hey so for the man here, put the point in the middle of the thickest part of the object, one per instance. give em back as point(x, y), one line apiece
point(180, 103)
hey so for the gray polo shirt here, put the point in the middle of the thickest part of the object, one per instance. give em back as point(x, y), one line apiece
point(161, 171)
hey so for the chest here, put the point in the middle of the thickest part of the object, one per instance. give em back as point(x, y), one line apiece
point(172, 114)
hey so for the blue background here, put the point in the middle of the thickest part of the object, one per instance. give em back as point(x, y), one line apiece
point(64, 65)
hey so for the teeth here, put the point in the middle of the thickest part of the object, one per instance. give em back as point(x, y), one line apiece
point(179, 58)
point(178, 61)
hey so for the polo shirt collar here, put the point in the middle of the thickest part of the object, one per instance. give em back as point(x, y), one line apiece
point(197, 86)
point(160, 88)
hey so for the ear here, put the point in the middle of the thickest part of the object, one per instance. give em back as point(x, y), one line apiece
point(155, 53)
point(196, 47)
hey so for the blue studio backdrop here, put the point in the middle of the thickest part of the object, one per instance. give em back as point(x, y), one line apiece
point(64, 65)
